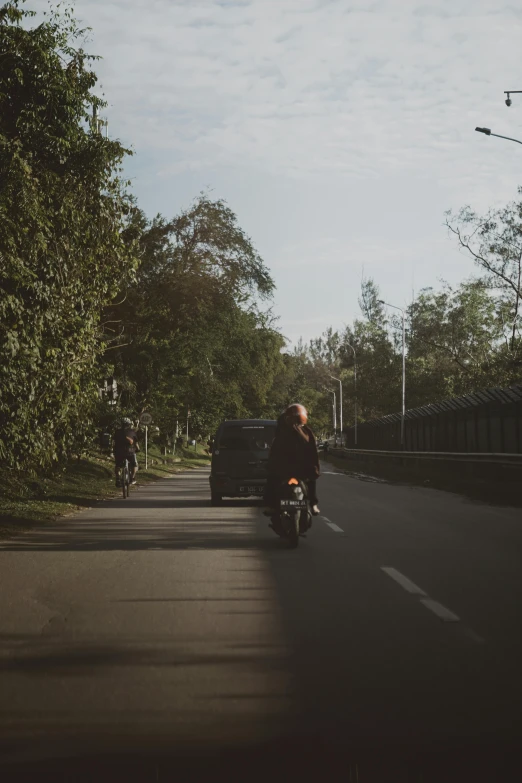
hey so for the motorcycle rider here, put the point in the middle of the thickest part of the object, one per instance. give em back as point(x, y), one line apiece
point(293, 454)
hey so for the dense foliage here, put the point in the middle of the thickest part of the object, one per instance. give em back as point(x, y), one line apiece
point(62, 253)
point(458, 339)
point(193, 335)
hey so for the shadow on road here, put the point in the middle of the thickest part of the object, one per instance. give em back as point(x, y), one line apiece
point(105, 535)
point(32, 654)
point(191, 523)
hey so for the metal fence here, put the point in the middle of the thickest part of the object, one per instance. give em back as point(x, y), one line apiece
point(488, 421)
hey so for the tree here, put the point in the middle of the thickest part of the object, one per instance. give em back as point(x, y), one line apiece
point(495, 243)
point(378, 358)
point(191, 329)
point(62, 251)
point(453, 342)
point(370, 303)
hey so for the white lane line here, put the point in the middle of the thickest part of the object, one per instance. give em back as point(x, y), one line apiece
point(332, 525)
point(440, 610)
point(469, 633)
point(404, 582)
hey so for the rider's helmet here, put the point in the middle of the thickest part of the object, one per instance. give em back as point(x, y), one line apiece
point(296, 414)
point(126, 422)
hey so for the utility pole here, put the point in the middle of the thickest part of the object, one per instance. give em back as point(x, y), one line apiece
point(354, 386)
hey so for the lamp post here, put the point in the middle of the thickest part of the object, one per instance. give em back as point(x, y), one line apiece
point(354, 385)
point(381, 301)
point(487, 132)
point(340, 406)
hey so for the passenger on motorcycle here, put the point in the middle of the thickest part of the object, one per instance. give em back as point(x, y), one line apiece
point(293, 454)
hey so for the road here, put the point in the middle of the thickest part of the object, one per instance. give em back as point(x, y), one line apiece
point(389, 644)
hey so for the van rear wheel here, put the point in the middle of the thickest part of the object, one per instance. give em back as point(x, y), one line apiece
point(216, 499)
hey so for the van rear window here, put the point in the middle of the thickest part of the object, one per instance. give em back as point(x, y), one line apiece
point(247, 438)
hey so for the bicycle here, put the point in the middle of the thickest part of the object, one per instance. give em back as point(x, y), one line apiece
point(124, 478)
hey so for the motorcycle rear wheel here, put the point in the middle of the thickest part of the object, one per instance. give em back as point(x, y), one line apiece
point(293, 535)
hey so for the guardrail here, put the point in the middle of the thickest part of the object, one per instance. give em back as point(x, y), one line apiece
point(449, 456)
point(489, 472)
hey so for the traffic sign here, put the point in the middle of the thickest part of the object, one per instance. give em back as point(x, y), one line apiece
point(146, 419)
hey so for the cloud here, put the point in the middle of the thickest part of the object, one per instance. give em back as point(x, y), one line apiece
point(301, 85)
point(343, 99)
point(304, 87)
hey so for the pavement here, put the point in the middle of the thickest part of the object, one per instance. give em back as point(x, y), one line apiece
point(159, 638)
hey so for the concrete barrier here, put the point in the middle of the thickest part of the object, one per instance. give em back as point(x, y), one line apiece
point(481, 466)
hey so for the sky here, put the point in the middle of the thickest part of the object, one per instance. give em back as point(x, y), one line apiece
point(339, 132)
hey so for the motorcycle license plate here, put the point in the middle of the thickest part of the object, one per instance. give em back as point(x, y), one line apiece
point(252, 490)
point(293, 503)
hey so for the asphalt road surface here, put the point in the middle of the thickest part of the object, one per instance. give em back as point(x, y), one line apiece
point(157, 637)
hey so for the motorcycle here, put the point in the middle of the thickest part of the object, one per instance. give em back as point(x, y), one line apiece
point(294, 517)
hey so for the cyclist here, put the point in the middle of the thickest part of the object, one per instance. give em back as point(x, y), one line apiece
point(125, 446)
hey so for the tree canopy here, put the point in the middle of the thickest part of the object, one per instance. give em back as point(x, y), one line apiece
point(62, 251)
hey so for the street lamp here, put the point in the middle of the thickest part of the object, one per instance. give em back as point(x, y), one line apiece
point(354, 385)
point(487, 132)
point(340, 407)
point(381, 301)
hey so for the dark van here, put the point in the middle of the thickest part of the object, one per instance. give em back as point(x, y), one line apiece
point(239, 458)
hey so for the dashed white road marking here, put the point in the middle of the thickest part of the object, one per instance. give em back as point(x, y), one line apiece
point(469, 633)
point(440, 610)
point(332, 525)
point(335, 527)
point(445, 614)
point(404, 582)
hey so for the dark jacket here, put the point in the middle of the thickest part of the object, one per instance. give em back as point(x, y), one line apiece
point(293, 452)
point(125, 442)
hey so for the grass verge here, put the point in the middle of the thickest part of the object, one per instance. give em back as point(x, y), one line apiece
point(29, 501)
